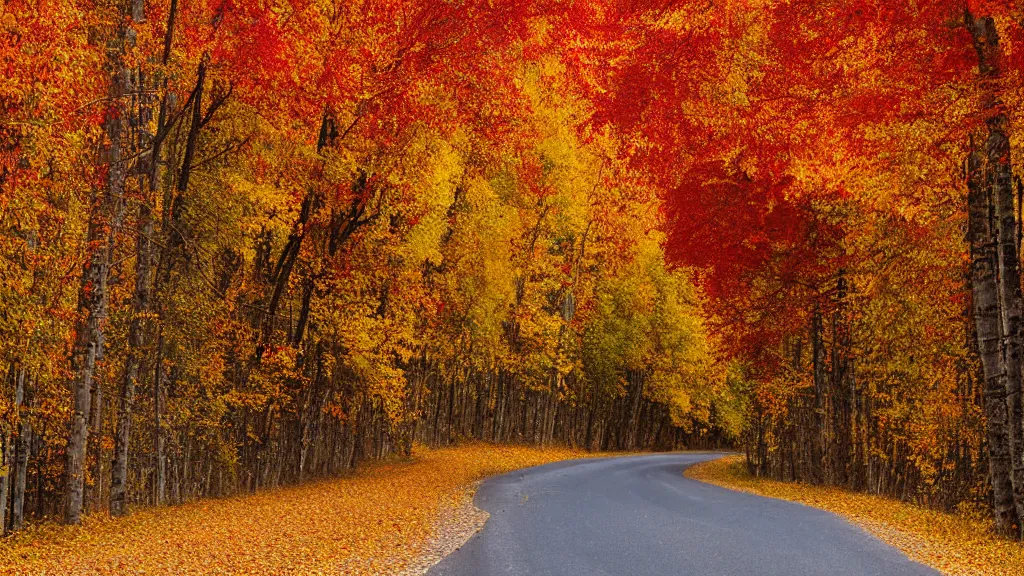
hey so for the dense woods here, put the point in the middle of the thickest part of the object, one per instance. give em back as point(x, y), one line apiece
point(861, 198)
point(246, 244)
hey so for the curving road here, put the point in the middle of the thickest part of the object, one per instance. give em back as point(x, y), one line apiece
point(638, 516)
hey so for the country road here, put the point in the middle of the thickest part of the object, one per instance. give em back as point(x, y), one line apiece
point(638, 516)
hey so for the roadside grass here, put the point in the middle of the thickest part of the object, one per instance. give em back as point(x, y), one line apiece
point(954, 544)
point(374, 522)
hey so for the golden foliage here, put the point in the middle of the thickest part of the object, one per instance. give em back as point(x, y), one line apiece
point(373, 522)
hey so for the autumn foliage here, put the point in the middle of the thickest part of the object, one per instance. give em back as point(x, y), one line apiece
point(378, 521)
point(250, 244)
point(246, 244)
point(813, 160)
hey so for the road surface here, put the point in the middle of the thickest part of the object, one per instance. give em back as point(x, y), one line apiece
point(638, 516)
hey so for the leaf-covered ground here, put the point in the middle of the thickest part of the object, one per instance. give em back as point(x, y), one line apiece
point(954, 544)
point(374, 522)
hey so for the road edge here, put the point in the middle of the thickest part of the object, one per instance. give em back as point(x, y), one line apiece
point(952, 544)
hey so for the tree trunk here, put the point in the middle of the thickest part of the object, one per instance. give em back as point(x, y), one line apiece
point(985, 295)
point(6, 457)
point(999, 177)
point(143, 265)
point(996, 283)
point(140, 305)
point(820, 449)
point(105, 217)
point(96, 444)
point(7, 448)
point(21, 466)
point(158, 437)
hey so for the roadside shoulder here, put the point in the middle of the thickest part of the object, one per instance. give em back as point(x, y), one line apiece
point(954, 544)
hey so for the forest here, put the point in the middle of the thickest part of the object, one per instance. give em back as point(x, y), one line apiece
point(249, 243)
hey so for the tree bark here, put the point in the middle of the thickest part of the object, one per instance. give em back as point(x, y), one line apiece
point(985, 295)
point(6, 457)
point(141, 296)
point(999, 177)
point(105, 217)
point(21, 452)
point(7, 448)
point(95, 492)
point(140, 305)
point(158, 437)
point(820, 450)
point(996, 282)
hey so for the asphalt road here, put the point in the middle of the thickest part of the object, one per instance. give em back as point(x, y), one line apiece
point(638, 516)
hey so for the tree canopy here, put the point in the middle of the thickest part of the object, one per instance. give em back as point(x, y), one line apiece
point(247, 243)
